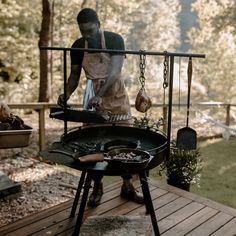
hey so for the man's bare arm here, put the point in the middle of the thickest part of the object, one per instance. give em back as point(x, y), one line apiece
point(73, 80)
point(72, 84)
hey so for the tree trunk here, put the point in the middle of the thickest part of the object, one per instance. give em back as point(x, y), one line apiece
point(44, 40)
point(83, 4)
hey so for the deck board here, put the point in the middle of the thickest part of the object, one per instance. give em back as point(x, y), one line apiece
point(227, 229)
point(178, 213)
point(178, 216)
point(211, 225)
point(191, 222)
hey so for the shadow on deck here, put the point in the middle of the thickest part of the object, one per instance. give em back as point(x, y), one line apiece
point(178, 213)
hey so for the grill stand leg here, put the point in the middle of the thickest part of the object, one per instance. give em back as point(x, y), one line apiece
point(148, 202)
point(79, 220)
point(77, 195)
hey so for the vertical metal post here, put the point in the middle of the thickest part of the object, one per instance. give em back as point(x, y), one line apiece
point(77, 195)
point(79, 220)
point(227, 122)
point(42, 129)
point(148, 202)
point(170, 105)
point(65, 90)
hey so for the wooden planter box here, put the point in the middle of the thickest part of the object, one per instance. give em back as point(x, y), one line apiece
point(15, 138)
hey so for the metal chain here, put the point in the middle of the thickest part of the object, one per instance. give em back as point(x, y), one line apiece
point(142, 66)
point(166, 70)
point(165, 85)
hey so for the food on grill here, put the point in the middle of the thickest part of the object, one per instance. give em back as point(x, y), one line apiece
point(127, 157)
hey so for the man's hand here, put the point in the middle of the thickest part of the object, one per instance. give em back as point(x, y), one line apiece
point(95, 102)
point(72, 84)
point(61, 100)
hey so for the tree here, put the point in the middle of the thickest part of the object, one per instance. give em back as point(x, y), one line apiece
point(44, 41)
point(216, 38)
point(19, 55)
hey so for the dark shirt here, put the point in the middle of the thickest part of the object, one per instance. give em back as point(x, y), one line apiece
point(114, 41)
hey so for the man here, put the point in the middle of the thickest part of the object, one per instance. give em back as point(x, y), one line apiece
point(105, 90)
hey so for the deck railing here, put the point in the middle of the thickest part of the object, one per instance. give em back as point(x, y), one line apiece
point(42, 107)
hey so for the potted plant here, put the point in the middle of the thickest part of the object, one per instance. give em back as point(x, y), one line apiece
point(182, 168)
point(146, 122)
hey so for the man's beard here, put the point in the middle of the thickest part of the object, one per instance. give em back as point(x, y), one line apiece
point(93, 42)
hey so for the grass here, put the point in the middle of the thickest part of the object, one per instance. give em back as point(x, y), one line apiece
point(218, 181)
point(218, 177)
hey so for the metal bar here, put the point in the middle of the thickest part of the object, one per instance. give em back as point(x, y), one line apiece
point(42, 142)
point(176, 54)
point(227, 122)
point(77, 195)
point(65, 90)
point(170, 105)
point(79, 220)
point(39, 105)
point(148, 202)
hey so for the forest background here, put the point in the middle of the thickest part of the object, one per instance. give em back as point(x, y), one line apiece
point(200, 26)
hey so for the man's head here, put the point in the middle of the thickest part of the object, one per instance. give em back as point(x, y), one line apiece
point(87, 15)
point(88, 23)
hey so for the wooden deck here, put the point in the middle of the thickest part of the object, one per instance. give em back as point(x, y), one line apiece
point(178, 213)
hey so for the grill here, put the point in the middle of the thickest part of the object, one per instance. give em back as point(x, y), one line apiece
point(106, 138)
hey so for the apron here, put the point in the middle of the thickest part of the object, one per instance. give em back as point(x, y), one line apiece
point(96, 67)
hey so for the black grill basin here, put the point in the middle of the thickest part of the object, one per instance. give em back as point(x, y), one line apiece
point(95, 138)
